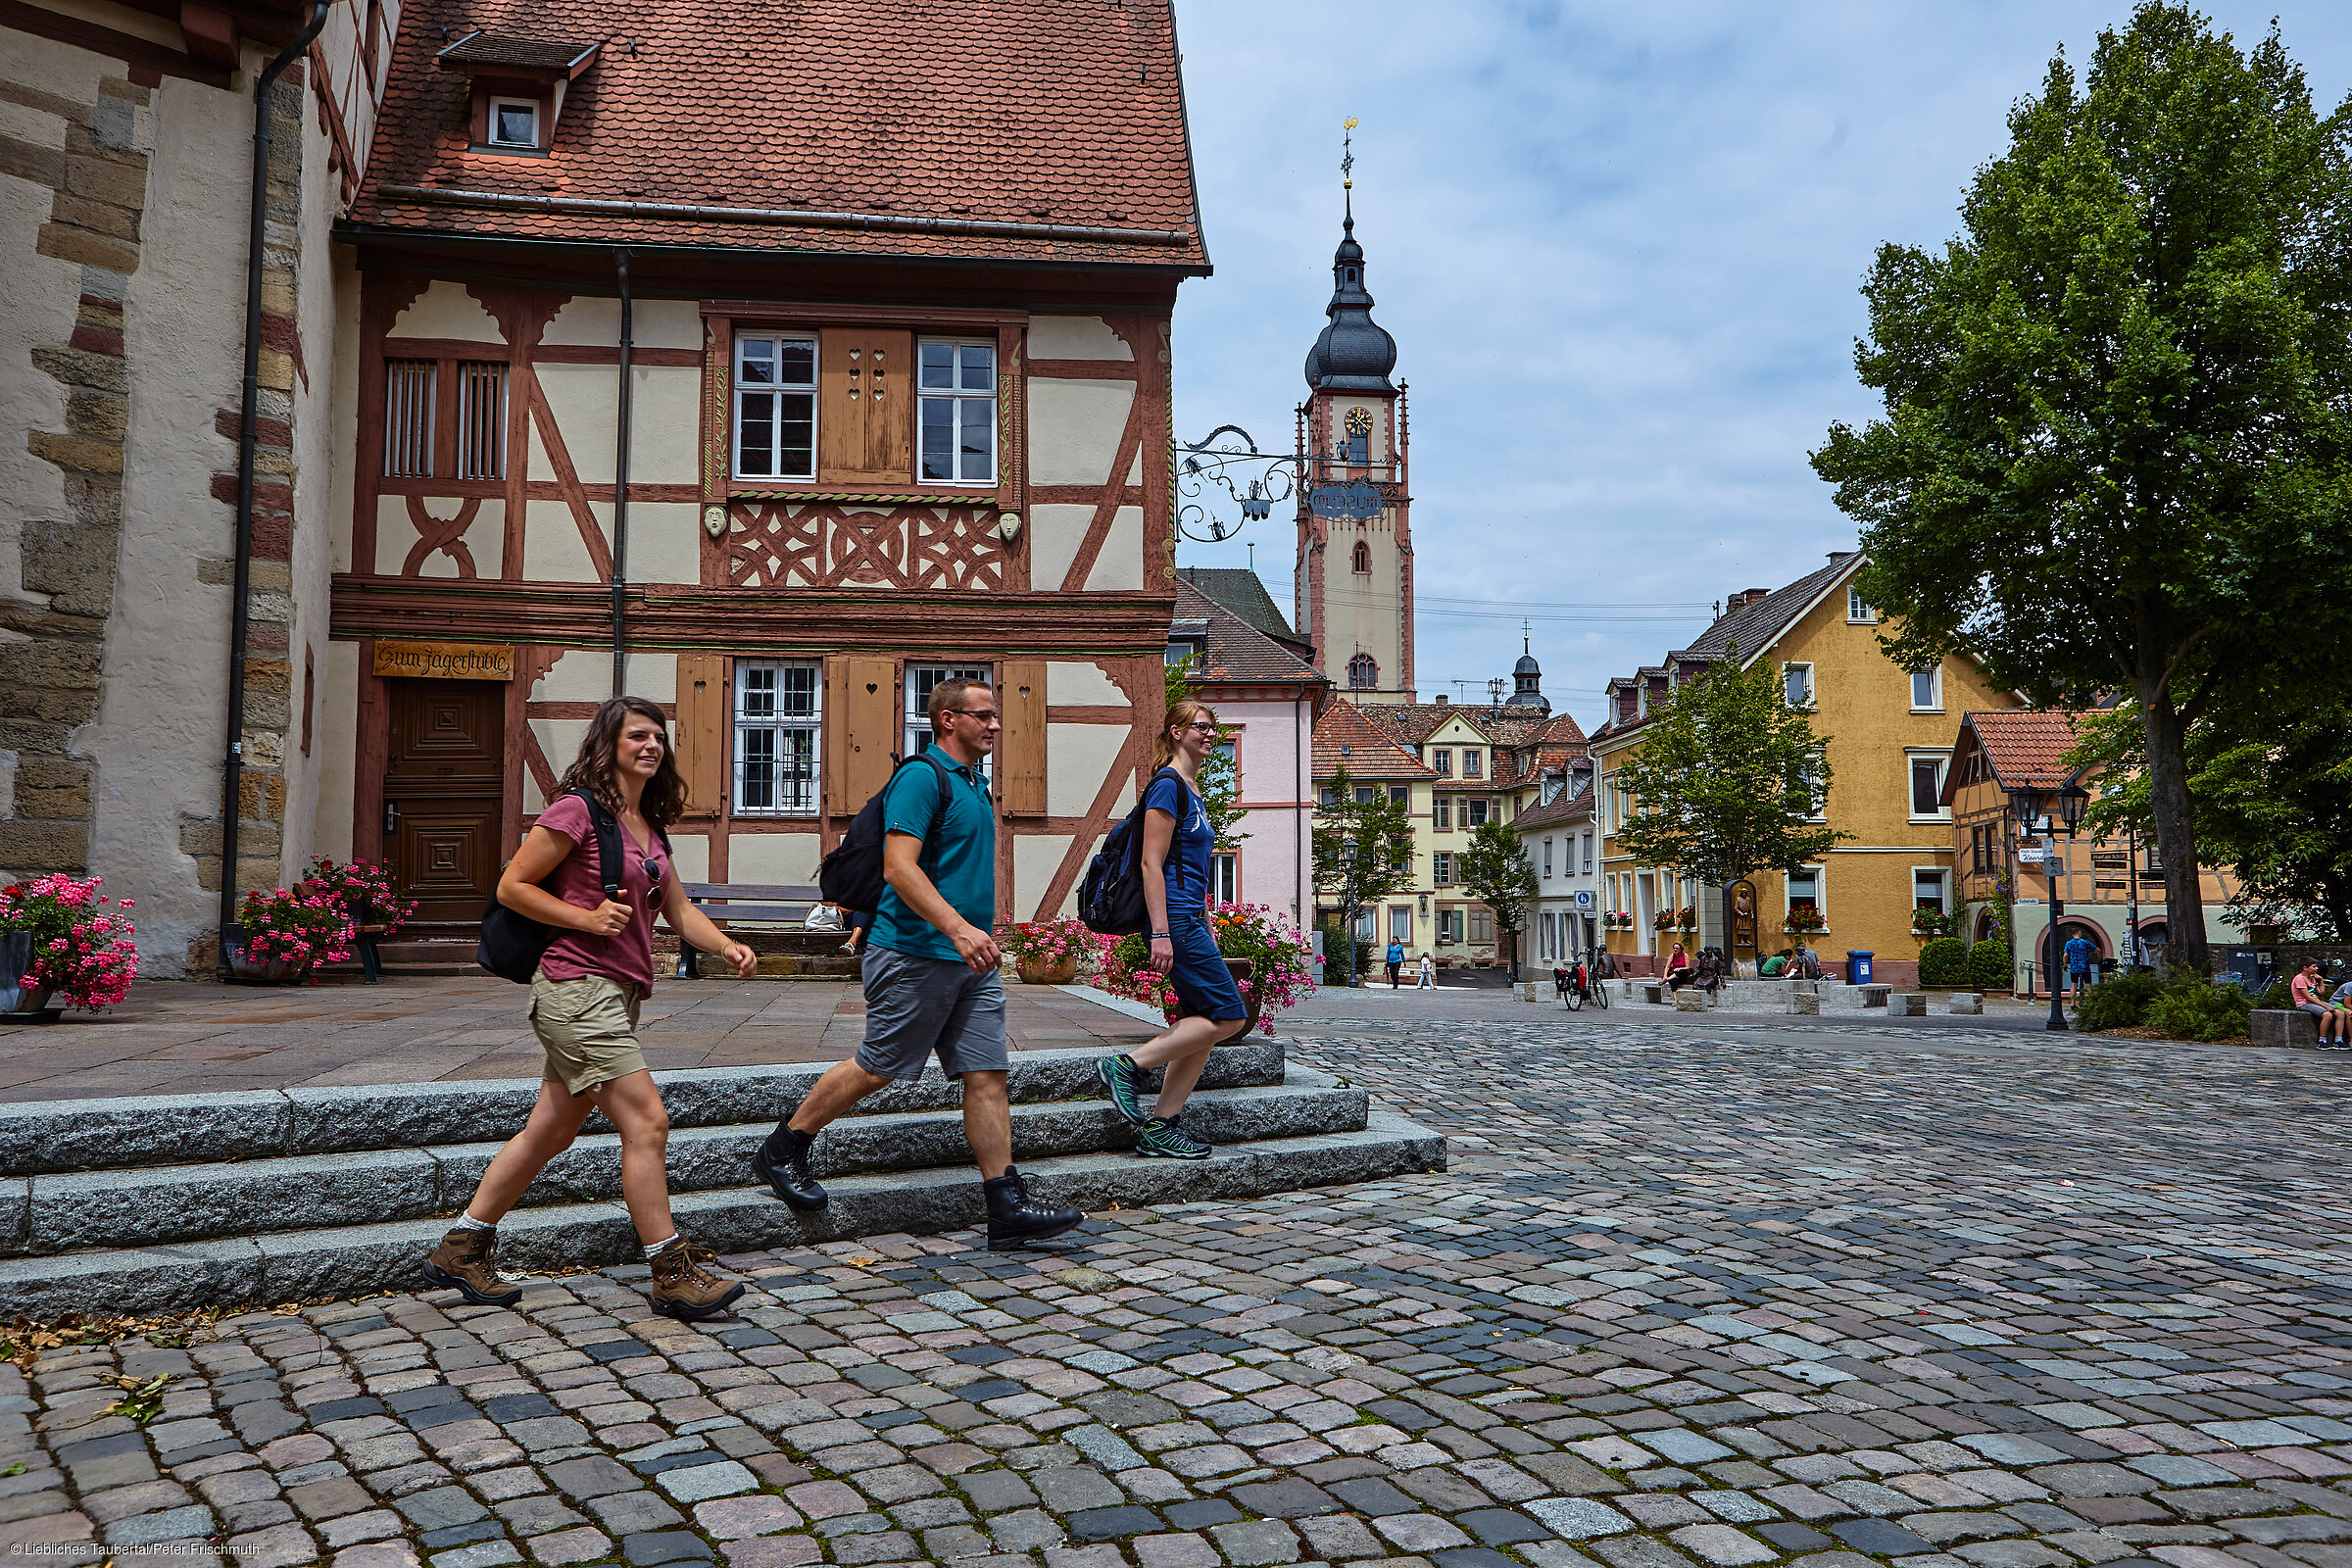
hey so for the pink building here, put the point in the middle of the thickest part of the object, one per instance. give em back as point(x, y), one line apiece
point(1256, 675)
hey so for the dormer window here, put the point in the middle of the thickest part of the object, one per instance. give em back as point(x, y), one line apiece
point(514, 123)
point(517, 87)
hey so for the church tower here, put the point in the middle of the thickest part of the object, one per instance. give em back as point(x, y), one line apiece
point(1354, 578)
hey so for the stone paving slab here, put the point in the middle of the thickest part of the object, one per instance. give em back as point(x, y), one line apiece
point(1700, 1302)
point(181, 1037)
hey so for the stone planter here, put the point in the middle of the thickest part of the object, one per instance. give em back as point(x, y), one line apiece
point(24, 1004)
point(1047, 971)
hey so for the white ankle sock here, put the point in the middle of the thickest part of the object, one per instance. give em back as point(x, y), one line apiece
point(466, 1222)
point(652, 1247)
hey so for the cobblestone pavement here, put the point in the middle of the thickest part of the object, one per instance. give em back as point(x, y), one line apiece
point(1699, 1303)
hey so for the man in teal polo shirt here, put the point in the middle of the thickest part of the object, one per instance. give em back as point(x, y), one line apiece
point(930, 973)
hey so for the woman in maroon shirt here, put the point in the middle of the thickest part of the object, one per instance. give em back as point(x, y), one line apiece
point(584, 1001)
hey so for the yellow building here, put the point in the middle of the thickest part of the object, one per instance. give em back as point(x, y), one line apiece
point(1890, 734)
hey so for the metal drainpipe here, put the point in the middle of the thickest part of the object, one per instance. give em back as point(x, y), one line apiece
point(621, 490)
point(1304, 917)
point(232, 766)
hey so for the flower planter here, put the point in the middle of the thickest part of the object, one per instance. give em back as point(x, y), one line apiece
point(247, 970)
point(1046, 972)
point(21, 1002)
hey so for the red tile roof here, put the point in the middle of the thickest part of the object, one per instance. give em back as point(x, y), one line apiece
point(1239, 653)
point(1345, 738)
point(1050, 131)
point(2026, 747)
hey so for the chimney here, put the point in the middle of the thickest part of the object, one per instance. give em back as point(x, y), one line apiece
point(1438, 700)
point(1751, 595)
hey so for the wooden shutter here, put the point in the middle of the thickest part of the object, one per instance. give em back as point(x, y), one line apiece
point(1021, 748)
point(865, 406)
point(863, 729)
point(701, 731)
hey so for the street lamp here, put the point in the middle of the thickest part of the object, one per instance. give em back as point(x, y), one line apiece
point(2054, 809)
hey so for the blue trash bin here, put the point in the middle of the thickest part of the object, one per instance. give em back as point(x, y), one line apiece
point(1857, 968)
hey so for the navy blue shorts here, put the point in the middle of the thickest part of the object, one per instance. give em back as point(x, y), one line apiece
point(1205, 987)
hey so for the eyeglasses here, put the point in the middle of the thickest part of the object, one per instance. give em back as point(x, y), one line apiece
point(1205, 727)
point(986, 715)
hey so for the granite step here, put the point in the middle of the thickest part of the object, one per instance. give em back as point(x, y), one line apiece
point(125, 1132)
point(282, 1266)
point(57, 1212)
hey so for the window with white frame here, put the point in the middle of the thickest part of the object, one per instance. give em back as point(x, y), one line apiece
point(1367, 925)
point(1449, 926)
point(1927, 690)
point(959, 412)
point(1855, 608)
point(1482, 927)
point(1474, 810)
point(1400, 922)
point(1805, 887)
point(514, 123)
point(1473, 763)
point(1366, 794)
point(1587, 855)
point(1401, 795)
point(1443, 761)
point(1926, 786)
point(1797, 685)
point(1550, 945)
point(1440, 868)
point(920, 678)
point(1548, 860)
point(777, 720)
point(1928, 885)
point(1442, 820)
point(775, 408)
point(1225, 878)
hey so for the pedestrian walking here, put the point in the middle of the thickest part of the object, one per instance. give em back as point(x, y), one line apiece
point(929, 968)
point(585, 996)
point(1429, 975)
point(1177, 844)
point(2079, 951)
point(1396, 963)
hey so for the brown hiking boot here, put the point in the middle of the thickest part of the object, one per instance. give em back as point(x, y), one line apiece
point(466, 1262)
point(684, 1289)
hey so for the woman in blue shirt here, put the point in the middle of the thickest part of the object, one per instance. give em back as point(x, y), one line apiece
point(1177, 844)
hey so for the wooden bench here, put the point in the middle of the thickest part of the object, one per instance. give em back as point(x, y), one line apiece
point(732, 903)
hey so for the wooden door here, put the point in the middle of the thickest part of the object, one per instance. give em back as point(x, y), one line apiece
point(444, 781)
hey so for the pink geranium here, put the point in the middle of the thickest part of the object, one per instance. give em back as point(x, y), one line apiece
point(82, 948)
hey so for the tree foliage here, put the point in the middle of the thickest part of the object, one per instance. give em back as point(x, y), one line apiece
point(1363, 848)
point(1494, 871)
point(2275, 806)
point(1725, 780)
point(2116, 452)
point(1219, 784)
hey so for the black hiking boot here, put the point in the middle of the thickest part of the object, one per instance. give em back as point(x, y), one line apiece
point(1015, 1219)
point(782, 1161)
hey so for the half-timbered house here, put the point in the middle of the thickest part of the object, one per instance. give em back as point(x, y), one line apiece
point(773, 370)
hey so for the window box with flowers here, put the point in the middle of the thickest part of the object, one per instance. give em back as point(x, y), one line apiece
point(1805, 921)
point(1928, 922)
point(1663, 920)
point(59, 938)
point(1049, 952)
point(1688, 919)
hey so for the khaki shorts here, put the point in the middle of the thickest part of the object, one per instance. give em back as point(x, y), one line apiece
point(589, 1027)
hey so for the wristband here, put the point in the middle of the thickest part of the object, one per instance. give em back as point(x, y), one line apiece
point(1161, 936)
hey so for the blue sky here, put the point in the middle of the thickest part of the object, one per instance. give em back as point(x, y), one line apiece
point(1620, 249)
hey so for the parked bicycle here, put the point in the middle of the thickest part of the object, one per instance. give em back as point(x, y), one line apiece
point(1579, 982)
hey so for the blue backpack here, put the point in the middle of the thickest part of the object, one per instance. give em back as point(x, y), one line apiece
point(1110, 900)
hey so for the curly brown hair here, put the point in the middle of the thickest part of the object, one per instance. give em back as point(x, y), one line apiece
point(594, 769)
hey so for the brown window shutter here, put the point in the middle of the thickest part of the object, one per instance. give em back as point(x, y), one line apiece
point(862, 729)
point(702, 731)
point(1021, 750)
point(865, 406)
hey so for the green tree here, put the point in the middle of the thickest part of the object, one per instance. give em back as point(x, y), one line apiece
point(2277, 810)
point(1494, 869)
point(1363, 848)
point(1727, 780)
point(1220, 785)
point(2116, 452)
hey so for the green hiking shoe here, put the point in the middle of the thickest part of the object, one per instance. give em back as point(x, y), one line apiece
point(1162, 1137)
point(1118, 1075)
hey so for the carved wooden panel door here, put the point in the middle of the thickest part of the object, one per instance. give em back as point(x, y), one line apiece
point(444, 781)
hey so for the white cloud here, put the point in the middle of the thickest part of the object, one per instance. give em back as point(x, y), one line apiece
point(1619, 249)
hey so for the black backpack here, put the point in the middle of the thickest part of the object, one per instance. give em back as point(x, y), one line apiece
point(513, 943)
point(1110, 899)
point(851, 875)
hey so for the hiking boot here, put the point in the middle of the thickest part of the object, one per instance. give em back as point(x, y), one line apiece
point(1162, 1137)
point(466, 1262)
point(1015, 1219)
point(782, 1162)
point(1118, 1075)
point(684, 1289)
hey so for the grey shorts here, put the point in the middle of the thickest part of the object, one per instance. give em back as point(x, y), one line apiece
point(914, 1006)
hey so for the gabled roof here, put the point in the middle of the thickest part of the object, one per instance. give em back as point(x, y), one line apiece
point(1345, 738)
point(2025, 747)
point(1415, 722)
point(1237, 652)
point(1241, 591)
point(1564, 808)
point(1048, 132)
